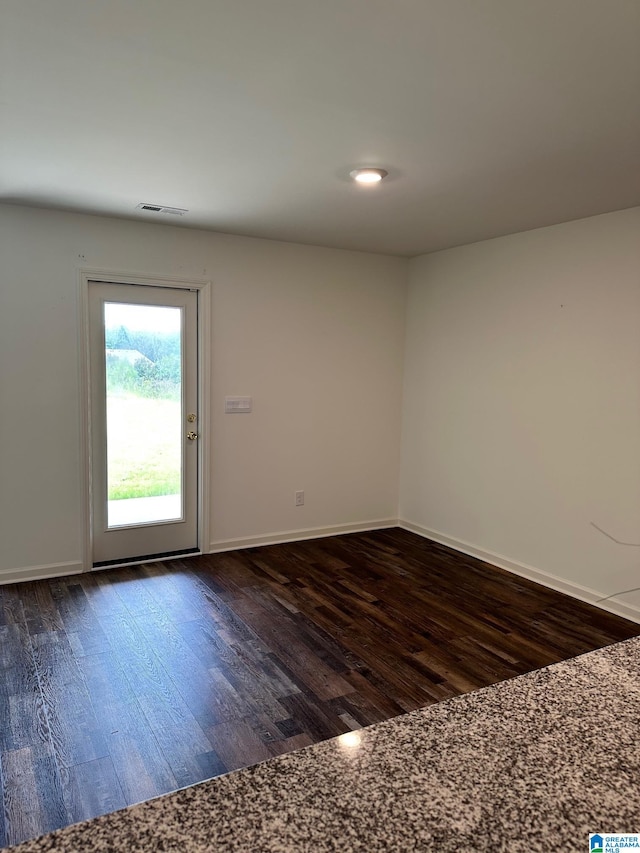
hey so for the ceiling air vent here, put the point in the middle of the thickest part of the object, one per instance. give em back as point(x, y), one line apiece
point(158, 208)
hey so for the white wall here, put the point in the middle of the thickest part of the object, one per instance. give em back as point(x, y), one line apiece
point(521, 412)
point(521, 417)
point(314, 335)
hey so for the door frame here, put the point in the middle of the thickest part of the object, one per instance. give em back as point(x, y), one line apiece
point(203, 288)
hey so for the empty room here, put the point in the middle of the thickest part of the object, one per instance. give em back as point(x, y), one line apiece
point(320, 418)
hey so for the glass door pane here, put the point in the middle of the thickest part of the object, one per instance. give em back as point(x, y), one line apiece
point(143, 357)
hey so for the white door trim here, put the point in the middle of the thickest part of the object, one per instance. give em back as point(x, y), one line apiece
point(204, 383)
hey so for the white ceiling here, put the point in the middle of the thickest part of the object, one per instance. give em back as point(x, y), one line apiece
point(491, 116)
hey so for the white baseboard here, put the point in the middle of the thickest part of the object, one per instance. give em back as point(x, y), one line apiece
point(583, 593)
point(57, 570)
point(38, 573)
point(299, 535)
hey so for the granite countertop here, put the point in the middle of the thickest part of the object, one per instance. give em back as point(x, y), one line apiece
point(534, 763)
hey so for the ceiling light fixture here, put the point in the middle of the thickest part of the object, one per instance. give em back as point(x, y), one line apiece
point(368, 176)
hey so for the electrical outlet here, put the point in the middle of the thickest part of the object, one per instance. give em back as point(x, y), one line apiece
point(300, 498)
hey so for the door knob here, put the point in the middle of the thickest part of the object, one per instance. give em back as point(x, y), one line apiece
point(192, 435)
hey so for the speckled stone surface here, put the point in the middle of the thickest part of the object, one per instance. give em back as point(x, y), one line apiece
point(531, 764)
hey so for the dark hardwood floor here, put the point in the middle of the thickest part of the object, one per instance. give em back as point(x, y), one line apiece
point(120, 685)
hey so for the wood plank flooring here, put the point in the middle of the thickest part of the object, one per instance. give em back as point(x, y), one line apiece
point(121, 685)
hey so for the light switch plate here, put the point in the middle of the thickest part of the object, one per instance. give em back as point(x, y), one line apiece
point(238, 405)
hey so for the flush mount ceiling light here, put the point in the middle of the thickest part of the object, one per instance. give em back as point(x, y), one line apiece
point(368, 176)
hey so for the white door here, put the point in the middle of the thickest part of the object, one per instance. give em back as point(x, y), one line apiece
point(143, 376)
